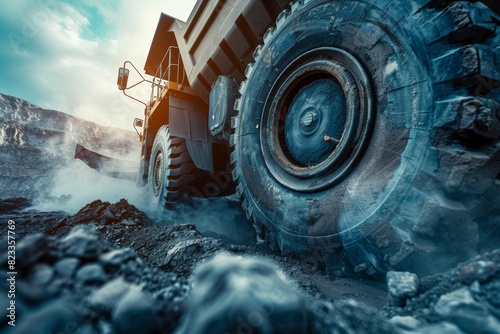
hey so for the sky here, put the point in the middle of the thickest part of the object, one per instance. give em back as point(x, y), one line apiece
point(65, 54)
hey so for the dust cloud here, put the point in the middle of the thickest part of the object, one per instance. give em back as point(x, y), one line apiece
point(221, 218)
point(77, 185)
point(74, 184)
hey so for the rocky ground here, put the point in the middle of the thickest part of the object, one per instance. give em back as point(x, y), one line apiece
point(111, 269)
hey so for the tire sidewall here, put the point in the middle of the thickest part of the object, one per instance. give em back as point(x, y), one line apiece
point(160, 144)
point(305, 220)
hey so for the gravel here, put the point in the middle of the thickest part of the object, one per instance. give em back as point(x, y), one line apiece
point(110, 269)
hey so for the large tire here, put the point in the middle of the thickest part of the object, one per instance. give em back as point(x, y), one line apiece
point(173, 177)
point(172, 173)
point(369, 130)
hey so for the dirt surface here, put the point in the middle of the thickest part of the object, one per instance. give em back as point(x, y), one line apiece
point(111, 269)
point(180, 248)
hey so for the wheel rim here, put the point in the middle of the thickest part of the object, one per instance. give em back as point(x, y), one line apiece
point(317, 120)
point(158, 173)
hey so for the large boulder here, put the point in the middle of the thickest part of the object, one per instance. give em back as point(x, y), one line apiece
point(135, 312)
point(235, 294)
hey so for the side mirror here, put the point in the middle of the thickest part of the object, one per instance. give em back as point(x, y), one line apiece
point(122, 78)
point(138, 122)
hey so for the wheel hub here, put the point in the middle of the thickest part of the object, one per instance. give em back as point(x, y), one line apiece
point(316, 120)
point(308, 119)
point(319, 109)
point(158, 173)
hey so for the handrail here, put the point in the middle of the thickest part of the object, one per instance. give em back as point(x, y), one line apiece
point(160, 75)
point(174, 67)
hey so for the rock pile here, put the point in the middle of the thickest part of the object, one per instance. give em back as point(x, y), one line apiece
point(463, 300)
point(80, 282)
point(108, 269)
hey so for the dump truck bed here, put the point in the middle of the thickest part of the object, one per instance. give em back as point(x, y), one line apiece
point(219, 38)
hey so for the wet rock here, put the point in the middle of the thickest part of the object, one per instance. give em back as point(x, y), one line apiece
point(91, 274)
point(460, 308)
point(231, 295)
point(132, 267)
point(31, 249)
point(88, 329)
point(66, 267)
point(104, 298)
point(117, 257)
point(477, 271)
point(440, 328)
point(492, 295)
point(440, 291)
point(41, 274)
point(183, 254)
point(402, 285)
point(349, 317)
point(175, 292)
point(83, 242)
point(135, 313)
point(104, 327)
point(406, 322)
point(55, 317)
point(129, 222)
point(32, 292)
point(235, 294)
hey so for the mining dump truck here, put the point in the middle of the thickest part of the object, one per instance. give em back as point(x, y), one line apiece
point(362, 136)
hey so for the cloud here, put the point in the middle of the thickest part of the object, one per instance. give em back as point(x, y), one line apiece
point(64, 55)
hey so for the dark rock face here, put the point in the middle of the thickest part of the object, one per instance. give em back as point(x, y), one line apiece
point(14, 204)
